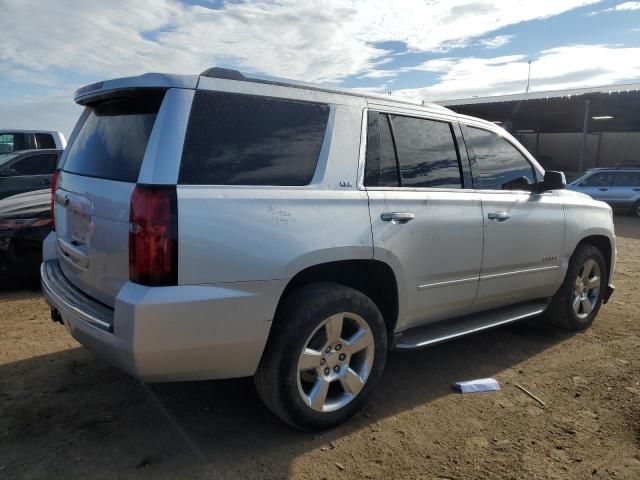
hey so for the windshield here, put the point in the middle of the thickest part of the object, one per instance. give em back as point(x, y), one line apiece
point(581, 177)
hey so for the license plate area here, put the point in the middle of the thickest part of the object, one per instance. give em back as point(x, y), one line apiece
point(78, 225)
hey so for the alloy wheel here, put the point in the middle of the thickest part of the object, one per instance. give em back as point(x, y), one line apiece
point(335, 363)
point(586, 289)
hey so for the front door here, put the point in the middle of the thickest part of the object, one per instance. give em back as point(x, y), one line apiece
point(597, 185)
point(523, 231)
point(424, 223)
point(32, 172)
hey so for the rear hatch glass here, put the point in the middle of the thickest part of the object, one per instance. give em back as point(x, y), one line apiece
point(94, 191)
point(114, 137)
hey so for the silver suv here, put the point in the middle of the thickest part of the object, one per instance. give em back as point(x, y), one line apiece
point(220, 226)
point(619, 187)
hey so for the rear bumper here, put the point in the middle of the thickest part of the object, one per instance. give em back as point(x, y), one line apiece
point(191, 332)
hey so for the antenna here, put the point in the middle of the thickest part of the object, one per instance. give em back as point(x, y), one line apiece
point(528, 78)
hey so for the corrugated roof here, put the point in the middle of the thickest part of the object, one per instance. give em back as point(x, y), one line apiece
point(572, 92)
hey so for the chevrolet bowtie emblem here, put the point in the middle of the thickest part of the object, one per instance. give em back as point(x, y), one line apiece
point(62, 199)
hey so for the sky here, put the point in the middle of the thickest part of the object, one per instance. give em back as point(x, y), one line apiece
point(424, 50)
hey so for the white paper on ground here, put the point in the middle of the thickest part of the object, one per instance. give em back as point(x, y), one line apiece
point(480, 385)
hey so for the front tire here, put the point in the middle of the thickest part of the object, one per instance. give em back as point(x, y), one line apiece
point(635, 210)
point(325, 354)
point(579, 299)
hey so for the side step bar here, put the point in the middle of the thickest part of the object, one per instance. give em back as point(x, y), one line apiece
point(437, 332)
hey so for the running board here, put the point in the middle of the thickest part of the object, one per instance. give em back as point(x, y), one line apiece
point(444, 330)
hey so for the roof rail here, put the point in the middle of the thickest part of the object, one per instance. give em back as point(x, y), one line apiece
point(231, 74)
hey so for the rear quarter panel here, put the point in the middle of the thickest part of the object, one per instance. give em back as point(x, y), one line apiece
point(254, 233)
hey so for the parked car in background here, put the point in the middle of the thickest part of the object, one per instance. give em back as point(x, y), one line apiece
point(619, 187)
point(28, 170)
point(220, 226)
point(14, 140)
point(25, 220)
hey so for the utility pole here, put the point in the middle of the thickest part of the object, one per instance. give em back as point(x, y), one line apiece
point(585, 131)
point(528, 78)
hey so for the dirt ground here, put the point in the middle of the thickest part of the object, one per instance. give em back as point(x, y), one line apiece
point(66, 414)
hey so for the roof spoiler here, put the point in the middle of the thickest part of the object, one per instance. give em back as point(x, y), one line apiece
point(90, 93)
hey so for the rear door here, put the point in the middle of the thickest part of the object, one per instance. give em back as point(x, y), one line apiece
point(424, 221)
point(523, 231)
point(625, 189)
point(98, 174)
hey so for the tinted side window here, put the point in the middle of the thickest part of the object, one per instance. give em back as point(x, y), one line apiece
point(626, 179)
point(45, 140)
point(237, 139)
point(112, 141)
point(381, 168)
point(36, 165)
point(597, 180)
point(426, 153)
point(498, 161)
point(12, 142)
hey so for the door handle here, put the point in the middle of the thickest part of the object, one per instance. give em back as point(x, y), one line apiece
point(603, 189)
point(498, 216)
point(398, 217)
point(46, 181)
point(636, 189)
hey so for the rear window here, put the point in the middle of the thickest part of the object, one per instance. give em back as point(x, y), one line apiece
point(426, 152)
point(45, 140)
point(381, 167)
point(114, 137)
point(625, 179)
point(237, 139)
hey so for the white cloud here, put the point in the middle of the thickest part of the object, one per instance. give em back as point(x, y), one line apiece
point(557, 68)
point(497, 41)
point(626, 6)
point(312, 40)
point(307, 39)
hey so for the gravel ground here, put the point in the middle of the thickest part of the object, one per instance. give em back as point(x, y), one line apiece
point(66, 414)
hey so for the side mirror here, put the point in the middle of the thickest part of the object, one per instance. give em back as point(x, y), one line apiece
point(553, 180)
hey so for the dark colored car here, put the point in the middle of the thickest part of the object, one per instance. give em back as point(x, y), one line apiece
point(14, 140)
point(25, 220)
point(27, 170)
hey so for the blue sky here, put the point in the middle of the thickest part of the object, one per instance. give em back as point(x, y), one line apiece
point(421, 49)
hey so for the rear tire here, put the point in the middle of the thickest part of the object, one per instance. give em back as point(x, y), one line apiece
point(577, 302)
point(325, 354)
point(635, 210)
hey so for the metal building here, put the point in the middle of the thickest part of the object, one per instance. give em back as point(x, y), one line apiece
point(570, 130)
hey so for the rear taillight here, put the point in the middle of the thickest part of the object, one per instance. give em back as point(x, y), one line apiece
point(153, 235)
point(54, 186)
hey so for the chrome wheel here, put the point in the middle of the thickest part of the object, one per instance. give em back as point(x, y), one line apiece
point(586, 289)
point(335, 362)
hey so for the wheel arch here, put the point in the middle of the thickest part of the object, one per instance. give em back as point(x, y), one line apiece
point(605, 244)
point(374, 278)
